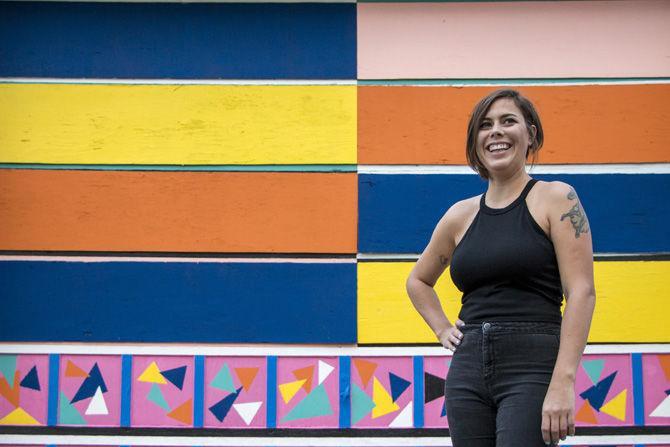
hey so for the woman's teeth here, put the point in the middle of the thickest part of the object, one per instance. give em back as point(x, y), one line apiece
point(497, 147)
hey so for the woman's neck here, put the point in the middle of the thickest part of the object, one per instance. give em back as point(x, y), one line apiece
point(504, 190)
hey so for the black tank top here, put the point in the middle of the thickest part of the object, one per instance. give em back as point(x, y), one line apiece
point(506, 267)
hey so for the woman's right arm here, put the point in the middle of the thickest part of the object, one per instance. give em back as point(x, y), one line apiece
point(421, 281)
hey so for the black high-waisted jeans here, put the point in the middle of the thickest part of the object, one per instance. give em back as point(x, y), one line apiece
point(497, 381)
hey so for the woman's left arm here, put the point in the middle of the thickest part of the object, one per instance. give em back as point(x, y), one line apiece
point(571, 235)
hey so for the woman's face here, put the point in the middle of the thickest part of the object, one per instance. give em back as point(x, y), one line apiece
point(503, 138)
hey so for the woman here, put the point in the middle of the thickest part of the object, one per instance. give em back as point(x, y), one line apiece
point(514, 252)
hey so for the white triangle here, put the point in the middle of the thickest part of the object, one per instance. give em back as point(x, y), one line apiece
point(324, 371)
point(97, 404)
point(663, 409)
point(247, 411)
point(404, 419)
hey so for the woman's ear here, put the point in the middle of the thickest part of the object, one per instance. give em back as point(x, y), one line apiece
point(532, 133)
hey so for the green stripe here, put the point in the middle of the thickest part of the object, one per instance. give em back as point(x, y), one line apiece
point(205, 168)
point(507, 81)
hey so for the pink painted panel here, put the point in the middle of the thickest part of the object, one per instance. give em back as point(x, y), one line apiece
point(161, 403)
point(513, 39)
point(71, 382)
point(247, 374)
point(656, 382)
point(31, 401)
point(433, 411)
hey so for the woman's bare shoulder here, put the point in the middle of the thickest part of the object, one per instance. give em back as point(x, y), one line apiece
point(461, 212)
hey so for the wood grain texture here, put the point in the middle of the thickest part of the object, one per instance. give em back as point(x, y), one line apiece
point(170, 124)
point(630, 304)
point(513, 40)
point(582, 124)
point(178, 211)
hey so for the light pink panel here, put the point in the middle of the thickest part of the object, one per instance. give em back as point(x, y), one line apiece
point(514, 39)
point(435, 372)
point(656, 379)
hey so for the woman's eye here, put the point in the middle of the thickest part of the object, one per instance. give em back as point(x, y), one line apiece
point(509, 121)
point(485, 125)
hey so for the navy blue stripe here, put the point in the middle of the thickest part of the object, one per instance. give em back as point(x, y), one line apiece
point(345, 392)
point(126, 384)
point(397, 213)
point(178, 41)
point(418, 392)
point(271, 415)
point(198, 391)
point(52, 403)
point(178, 302)
point(638, 389)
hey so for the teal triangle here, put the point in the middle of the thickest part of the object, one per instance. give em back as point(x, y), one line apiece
point(314, 404)
point(156, 396)
point(594, 369)
point(68, 414)
point(224, 380)
point(361, 404)
point(8, 368)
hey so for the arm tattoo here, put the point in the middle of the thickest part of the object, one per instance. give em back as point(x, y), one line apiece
point(576, 215)
point(444, 260)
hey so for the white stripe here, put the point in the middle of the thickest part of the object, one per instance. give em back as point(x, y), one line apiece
point(265, 260)
point(508, 82)
point(175, 81)
point(249, 350)
point(197, 1)
point(411, 257)
point(631, 168)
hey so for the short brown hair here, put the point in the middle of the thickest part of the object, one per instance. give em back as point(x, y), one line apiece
point(529, 114)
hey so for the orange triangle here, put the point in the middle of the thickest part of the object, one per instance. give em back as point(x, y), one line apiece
point(365, 370)
point(305, 374)
point(246, 376)
point(72, 370)
point(664, 360)
point(586, 414)
point(11, 393)
point(183, 413)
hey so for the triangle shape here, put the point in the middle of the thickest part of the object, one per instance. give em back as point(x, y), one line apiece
point(664, 360)
point(361, 404)
point(11, 392)
point(663, 409)
point(31, 381)
point(90, 385)
point(586, 414)
point(596, 394)
point(223, 380)
point(290, 389)
point(324, 371)
point(221, 408)
point(383, 402)
point(404, 419)
point(313, 405)
point(247, 411)
point(365, 370)
point(152, 375)
point(306, 374)
point(398, 386)
point(8, 366)
point(183, 413)
point(444, 410)
point(616, 407)
point(19, 417)
point(246, 376)
point(433, 387)
point(97, 406)
point(72, 370)
point(175, 376)
point(68, 414)
point(156, 396)
point(593, 369)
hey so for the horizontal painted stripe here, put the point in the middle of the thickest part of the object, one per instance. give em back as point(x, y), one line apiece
point(185, 40)
point(195, 168)
point(92, 81)
point(514, 82)
point(642, 168)
point(177, 125)
point(391, 257)
point(178, 302)
point(630, 304)
point(178, 212)
point(459, 40)
point(582, 124)
point(254, 260)
point(623, 210)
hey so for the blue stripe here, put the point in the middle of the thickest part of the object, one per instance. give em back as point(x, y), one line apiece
point(345, 392)
point(638, 389)
point(178, 41)
point(126, 386)
point(198, 391)
point(418, 392)
point(50, 301)
point(52, 405)
point(272, 392)
point(623, 209)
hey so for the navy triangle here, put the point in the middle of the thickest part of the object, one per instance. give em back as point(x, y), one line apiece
point(444, 410)
point(398, 386)
point(433, 387)
point(31, 380)
point(667, 392)
point(90, 385)
point(175, 376)
point(221, 408)
point(596, 394)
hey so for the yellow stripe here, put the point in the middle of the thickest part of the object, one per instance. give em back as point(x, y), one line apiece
point(631, 303)
point(169, 124)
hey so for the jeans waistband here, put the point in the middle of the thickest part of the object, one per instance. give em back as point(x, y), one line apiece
point(510, 327)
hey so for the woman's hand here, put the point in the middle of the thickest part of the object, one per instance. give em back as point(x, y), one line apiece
point(558, 419)
point(451, 336)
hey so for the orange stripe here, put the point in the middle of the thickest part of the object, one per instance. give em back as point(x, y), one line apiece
point(178, 211)
point(582, 124)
